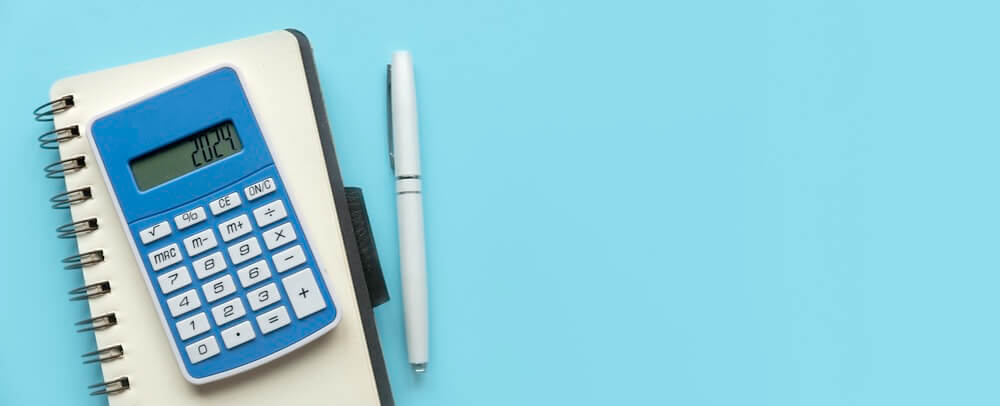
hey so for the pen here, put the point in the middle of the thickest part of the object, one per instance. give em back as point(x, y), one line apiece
point(404, 157)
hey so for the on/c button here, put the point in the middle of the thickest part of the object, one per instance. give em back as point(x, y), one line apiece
point(259, 189)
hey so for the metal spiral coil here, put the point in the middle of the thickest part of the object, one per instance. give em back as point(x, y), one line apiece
point(110, 387)
point(77, 228)
point(58, 170)
point(104, 354)
point(52, 139)
point(98, 323)
point(83, 260)
point(47, 111)
point(90, 291)
point(70, 197)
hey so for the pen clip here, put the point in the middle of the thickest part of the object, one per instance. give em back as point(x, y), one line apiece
point(388, 114)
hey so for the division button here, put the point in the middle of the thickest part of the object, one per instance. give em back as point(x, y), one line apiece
point(269, 213)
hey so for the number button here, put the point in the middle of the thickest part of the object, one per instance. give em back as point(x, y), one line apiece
point(236, 227)
point(279, 236)
point(256, 272)
point(219, 288)
point(155, 232)
point(263, 297)
point(256, 190)
point(273, 320)
point(173, 280)
point(190, 218)
point(269, 213)
point(165, 257)
point(225, 203)
point(183, 303)
point(237, 334)
point(289, 258)
point(201, 242)
point(192, 326)
point(209, 265)
point(303, 293)
point(244, 250)
point(228, 311)
point(203, 349)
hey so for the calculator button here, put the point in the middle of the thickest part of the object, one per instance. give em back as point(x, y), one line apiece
point(244, 250)
point(183, 303)
point(209, 265)
point(289, 258)
point(263, 297)
point(256, 272)
point(236, 227)
point(165, 257)
point(203, 349)
point(173, 280)
point(225, 203)
point(219, 288)
point(259, 189)
point(269, 213)
point(190, 218)
point(228, 311)
point(279, 236)
point(155, 232)
point(273, 320)
point(303, 293)
point(238, 334)
point(192, 326)
point(201, 242)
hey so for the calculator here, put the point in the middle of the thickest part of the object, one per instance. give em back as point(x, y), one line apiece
point(216, 235)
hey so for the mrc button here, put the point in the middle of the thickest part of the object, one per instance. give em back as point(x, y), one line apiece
point(259, 189)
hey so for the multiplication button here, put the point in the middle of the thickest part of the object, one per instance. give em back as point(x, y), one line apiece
point(279, 236)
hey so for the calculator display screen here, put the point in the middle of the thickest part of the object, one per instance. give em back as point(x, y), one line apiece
point(186, 155)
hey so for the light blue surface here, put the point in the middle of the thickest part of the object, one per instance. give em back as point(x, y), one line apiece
point(681, 203)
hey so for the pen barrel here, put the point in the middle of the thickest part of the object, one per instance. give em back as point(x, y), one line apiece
point(413, 268)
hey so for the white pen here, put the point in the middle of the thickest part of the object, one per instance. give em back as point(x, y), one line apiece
point(404, 156)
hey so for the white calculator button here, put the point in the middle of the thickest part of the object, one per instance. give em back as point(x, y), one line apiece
point(190, 218)
point(173, 280)
point(303, 292)
point(279, 236)
point(259, 189)
point(273, 320)
point(219, 288)
point(192, 326)
point(165, 256)
point(202, 349)
point(228, 311)
point(234, 228)
point(225, 203)
point(201, 242)
point(263, 297)
point(155, 232)
point(244, 250)
point(238, 334)
point(269, 213)
point(209, 265)
point(254, 273)
point(183, 303)
point(289, 258)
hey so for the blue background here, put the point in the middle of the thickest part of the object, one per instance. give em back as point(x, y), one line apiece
point(691, 203)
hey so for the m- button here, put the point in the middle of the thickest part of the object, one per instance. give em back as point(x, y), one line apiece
point(225, 203)
point(259, 189)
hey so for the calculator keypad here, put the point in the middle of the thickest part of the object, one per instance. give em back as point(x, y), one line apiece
point(235, 275)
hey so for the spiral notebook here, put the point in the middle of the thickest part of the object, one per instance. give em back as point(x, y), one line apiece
point(343, 366)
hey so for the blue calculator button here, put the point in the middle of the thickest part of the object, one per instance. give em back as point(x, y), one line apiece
point(260, 189)
point(254, 273)
point(279, 236)
point(173, 280)
point(273, 319)
point(201, 242)
point(183, 303)
point(202, 349)
point(209, 265)
point(219, 288)
point(155, 232)
point(244, 250)
point(225, 203)
point(190, 218)
point(228, 311)
point(235, 228)
point(264, 297)
point(269, 213)
point(192, 326)
point(238, 334)
point(289, 258)
point(303, 293)
point(165, 257)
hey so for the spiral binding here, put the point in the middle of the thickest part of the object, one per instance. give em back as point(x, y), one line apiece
point(110, 387)
point(104, 354)
point(52, 139)
point(58, 170)
point(68, 198)
point(83, 260)
point(98, 323)
point(77, 228)
point(90, 291)
point(47, 111)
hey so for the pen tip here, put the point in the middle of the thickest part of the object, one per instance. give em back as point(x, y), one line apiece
point(419, 368)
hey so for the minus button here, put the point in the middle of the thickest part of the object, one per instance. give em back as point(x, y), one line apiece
point(289, 258)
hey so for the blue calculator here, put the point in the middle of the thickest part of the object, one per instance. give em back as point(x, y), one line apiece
point(222, 250)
